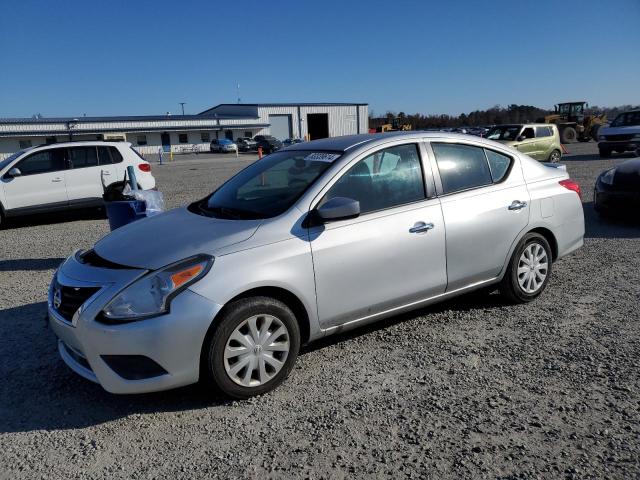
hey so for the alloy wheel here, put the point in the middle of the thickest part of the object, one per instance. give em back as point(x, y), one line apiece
point(533, 268)
point(256, 350)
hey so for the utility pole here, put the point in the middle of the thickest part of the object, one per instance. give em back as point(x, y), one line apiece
point(182, 105)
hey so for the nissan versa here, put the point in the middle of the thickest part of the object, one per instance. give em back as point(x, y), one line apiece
point(311, 240)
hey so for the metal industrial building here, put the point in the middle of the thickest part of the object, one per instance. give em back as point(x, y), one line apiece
point(188, 133)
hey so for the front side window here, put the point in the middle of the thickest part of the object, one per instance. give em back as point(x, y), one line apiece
point(82, 157)
point(45, 161)
point(461, 166)
point(528, 133)
point(268, 187)
point(504, 132)
point(385, 179)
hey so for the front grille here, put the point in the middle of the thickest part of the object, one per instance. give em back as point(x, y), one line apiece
point(618, 138)
point(70, 299)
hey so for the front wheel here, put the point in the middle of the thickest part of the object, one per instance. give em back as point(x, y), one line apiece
point(529, 269)
point(253, 348)
point(569, 135)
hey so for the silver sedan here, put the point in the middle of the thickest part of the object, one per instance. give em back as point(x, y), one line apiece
point(309, 241)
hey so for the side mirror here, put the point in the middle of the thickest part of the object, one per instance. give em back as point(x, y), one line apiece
point(14, 172)
point(338, 208)
point(521, 138)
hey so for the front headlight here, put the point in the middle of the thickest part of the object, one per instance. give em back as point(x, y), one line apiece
point(151, 295)
point(607, 177)
point(601, 137)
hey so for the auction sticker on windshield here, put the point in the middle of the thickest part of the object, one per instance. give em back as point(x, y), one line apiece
point(321, 157)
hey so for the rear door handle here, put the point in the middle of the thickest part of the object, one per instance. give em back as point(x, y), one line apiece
point(56, 180)
point(517, 205)
point(421, 227)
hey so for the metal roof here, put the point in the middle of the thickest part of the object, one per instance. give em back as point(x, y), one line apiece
point(133, 118)
point(289, 104)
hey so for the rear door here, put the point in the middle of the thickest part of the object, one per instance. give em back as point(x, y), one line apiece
point(42, 183)
point(485, 204)
point(393, 254)
point(86, 176)
point(544, 142)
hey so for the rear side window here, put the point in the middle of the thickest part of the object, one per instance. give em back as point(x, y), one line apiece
point(461, 166)
point(498, 164)
point(543, 131)
point(42, 162)
point(83, 157)
point(384, 179)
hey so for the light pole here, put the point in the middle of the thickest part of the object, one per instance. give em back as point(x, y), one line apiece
point(70, 125)
point(182, 105)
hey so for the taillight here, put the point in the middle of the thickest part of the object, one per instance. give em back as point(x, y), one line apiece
point(145, 167)
point(571, 185)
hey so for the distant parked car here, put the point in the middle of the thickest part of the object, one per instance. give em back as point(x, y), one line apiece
point(291, 141)
point(268, 143)
point(64, 176)
point(222, 145)
point(617, 190)
point(622, 135)
point(246, 144)
point(539, 141)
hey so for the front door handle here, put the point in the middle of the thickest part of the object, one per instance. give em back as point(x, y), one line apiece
point(421, 227)
point(56, 180)
point(517, 205)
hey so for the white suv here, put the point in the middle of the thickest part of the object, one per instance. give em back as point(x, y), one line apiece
point(68, 175)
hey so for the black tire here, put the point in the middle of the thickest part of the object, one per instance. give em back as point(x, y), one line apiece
point(509, 286)
point(555, 156)
point(233, 316)
point(569, 135)
point(604, 152)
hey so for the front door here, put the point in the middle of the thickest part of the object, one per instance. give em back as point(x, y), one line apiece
point(41, 183)
point(528, 145)
point(165, 138)
point(393, 254)
point(485, 204)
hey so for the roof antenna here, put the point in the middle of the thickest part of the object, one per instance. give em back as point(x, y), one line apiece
point(238, 89)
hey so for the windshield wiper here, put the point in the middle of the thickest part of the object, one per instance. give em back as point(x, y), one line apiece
point(231, 213)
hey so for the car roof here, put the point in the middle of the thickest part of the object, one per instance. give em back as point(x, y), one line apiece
point(87, 143)
point(347, 142)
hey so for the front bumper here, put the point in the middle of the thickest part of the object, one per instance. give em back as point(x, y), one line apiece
point(615, 201)
point(173, 341)
point(623, 146)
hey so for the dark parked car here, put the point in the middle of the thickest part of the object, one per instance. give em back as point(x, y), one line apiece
point(623, 135)
point(291, 141)
point(246, 144)
point(618, 189)
point(268, 143)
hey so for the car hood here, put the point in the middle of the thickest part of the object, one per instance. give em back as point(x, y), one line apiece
point(166, 238)
point(627, 175)
point(628, 130)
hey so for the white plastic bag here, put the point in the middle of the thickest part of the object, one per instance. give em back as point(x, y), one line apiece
point(153, 199)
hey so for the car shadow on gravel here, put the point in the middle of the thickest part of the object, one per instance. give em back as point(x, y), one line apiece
point(54, 217)
point(39, 392)
point(597, 226)
point(484, 299)
point(31, 264)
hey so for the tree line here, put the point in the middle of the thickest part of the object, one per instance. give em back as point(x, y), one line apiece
point(493, 116)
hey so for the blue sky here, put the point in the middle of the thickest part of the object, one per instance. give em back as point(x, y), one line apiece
point(144, 57)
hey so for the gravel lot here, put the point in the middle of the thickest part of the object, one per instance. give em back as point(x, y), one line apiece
point(472, 388)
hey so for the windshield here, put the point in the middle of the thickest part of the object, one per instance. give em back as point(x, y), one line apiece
point(267, 187)
point(627, 119)
point(504, 132)
point(11, 158)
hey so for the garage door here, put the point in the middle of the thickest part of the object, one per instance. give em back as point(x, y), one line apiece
point(280, 126)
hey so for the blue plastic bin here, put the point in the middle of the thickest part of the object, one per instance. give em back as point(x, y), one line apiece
point(123, 212)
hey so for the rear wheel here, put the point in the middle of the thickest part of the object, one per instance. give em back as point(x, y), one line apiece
point(555, 156)
point(569, 135)
point(529, 269)
point(253, 348)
